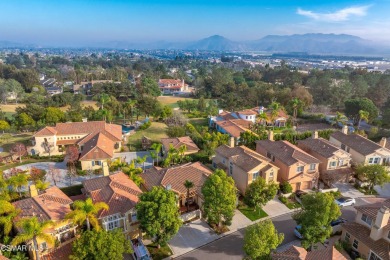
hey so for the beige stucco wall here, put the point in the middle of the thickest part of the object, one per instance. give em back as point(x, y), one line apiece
point(87, 164)
point(362, 248)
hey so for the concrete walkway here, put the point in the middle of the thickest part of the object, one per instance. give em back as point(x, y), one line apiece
point(275, 208)
point(383, 191)
point(347, 190)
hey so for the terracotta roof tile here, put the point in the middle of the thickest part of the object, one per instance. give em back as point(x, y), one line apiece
point(47, 131)
point(299, 253)
point(179, 141)
point(287, 152)
point(176, 176)
point(98, 147)
point(380, 247)
point(53, 204)
point(60, 253)
point(117, 190)
point(357, 142)
point(234, 126)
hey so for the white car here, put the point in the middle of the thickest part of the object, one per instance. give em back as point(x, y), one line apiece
point(345, 201)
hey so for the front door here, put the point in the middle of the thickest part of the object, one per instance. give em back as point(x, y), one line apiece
point(298, 186)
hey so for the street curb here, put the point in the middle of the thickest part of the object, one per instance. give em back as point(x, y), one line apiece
point(233, 231)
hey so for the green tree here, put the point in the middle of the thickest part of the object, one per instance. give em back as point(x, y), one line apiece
point(24, 121)
point(219, 209)
point(318, 210)
point(353, 106)
point(103, 245)
point(32, 230)
point(157, 147)
point(86, 211)
point(363, 115)
point(7, 215)
point(4, 125)
point(149, 86)
point(53, 115)
point(338, 119)
point(18, 181)
point(142, 160)
point(374, 174)
point(259, 193)
point(188, 185)
point(261, 239)
point(158, 214)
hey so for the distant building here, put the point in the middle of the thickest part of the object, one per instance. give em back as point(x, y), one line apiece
point(171, 86)
point(54, 90)
point(85, 86)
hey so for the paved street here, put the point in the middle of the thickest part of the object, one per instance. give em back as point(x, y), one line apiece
point(230, 246)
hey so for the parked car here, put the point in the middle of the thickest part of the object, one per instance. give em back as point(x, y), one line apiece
point(338, 222)
point(345, 201)
point(297, 232)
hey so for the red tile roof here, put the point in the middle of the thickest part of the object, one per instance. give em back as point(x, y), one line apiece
point(98, 146)
point(117, 190)
point(179, 141)
point(60, 253)
point(234, 127)
point(53, 204)
point(176, 176)
point(299, 253)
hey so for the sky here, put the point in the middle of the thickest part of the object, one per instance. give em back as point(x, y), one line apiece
point(84, 22)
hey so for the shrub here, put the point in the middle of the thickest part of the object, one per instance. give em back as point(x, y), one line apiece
point(98, 171)
point(37, 174)
point(285, 187)
point(145, 125)
point(81, 172)
point(283, 199)
point(176, 131)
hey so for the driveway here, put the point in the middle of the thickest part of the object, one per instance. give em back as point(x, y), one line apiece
point(347, 190)
point(239, 221)
point(61, 179)
point(383, 191)
point(275, 208)
point(129, 156)
point(191, 236)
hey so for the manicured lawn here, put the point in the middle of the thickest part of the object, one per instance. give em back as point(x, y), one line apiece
point(7, 140)
point(251, 213)
point(198, 122)
point(171, 100)
point(155, 132)
point(159, 253)
point(290, 203)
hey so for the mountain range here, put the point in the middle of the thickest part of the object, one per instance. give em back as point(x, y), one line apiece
point(312, 43)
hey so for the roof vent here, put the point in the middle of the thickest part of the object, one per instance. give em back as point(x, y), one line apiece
point(168, 187)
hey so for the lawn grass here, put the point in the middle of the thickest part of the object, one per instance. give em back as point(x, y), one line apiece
point(199, 122)
point(155, 132)
point(159, 253)
point(251, 213)
point(171, 100)
point(290, 203)
point(8, 140)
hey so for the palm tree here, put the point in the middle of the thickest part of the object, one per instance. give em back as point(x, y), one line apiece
point(263, 117)
point(189, 185)
point(131, 103)
point(153, 155)
point(42, 185)
point(340, 118)
point(295, 104)
point(157, 147)
point(181, 152)
point(104, 98)
point(142, 160)
point(32, 230)
point(363, 115)
point(7, 215)
point(86, 211)
point(172, 154)
point(275, 107)
point(18, 181)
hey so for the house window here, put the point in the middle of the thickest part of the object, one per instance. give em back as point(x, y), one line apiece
point(374, 256)
point(374, 160)
point(367, 219)
point(300, 169)
point(255, 175)
point(231, 168)
point(112, 222)
point(347, 237)
point(355, 244)
point(133, 216)
point(343, 147)
point(312, 167)
point(271, 176)
point(341, 162)
point(332, 164)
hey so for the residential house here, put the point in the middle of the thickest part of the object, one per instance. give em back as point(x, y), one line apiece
point(54, 90)
point(370, 233)
point(171, 86)
point(121, 195)
point(296, 166)
point(173, 178)
point(335, 163)
point(363, 151)
point(299, 253)
point(97, 141)
point(235, 123)
point(177, 142)
point(52, 204)
point(85, 87)
point(244, 165)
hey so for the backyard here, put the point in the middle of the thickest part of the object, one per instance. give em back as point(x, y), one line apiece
point(171, 100)
point(155, 132)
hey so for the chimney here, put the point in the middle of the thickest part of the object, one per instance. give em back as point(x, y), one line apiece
point(382, 218)
point(84, 119)
point(33, 191)
point(383, 142)
point(270, 135)
point(106, 171)
point(344, 130)
point(232, 141)
point(314, 135)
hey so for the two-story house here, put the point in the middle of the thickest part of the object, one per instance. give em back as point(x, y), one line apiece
point(52, 204)
point(121, 195)
point(171, 86)
point(370, 233)
point(177, 142)
point(96, 140)
point(296, 166)
point(335, 163)
point(173, 178)
point(244, 165)
point(363, 151)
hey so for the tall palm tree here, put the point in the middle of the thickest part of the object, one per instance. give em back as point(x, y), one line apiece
point(142, 160)
point(18, 181)
point(131, 103)
point(295, 104)
point(32, 230)
point(189, 185)
point(275, 107)
point(363, 115)
point(340, 118)
point(181, 152)
point(157, 147)
point(263, 117)
point(86, 211)
point(104, 98)
point(7, 215)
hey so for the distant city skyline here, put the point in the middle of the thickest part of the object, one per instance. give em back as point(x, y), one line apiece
point(87, 22)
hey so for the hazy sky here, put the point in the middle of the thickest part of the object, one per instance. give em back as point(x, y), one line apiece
point(69, 22)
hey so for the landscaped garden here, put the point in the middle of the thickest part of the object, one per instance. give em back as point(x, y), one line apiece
point(252, 213)
point(159, 253)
